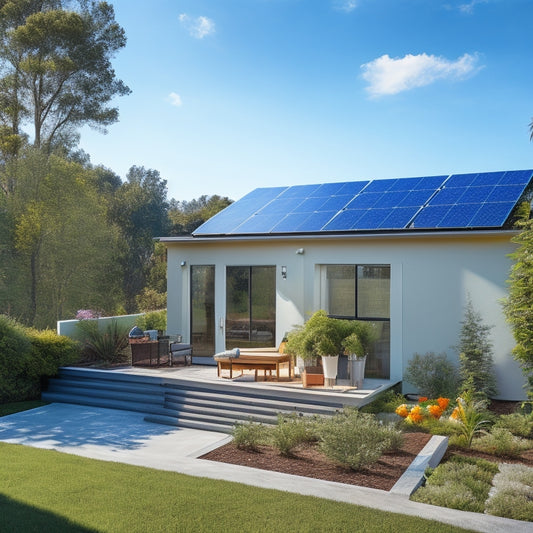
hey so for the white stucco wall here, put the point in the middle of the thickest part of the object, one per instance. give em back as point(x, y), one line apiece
point(431, 279)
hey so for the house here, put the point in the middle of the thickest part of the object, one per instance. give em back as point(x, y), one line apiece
point(406, 254)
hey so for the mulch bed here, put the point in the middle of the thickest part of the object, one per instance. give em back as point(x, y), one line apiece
point(310, 462)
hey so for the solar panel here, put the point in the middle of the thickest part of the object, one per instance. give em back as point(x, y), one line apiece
point(478, 200)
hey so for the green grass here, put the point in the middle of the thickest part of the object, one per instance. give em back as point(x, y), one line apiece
point(44, 490)
point(16, 407)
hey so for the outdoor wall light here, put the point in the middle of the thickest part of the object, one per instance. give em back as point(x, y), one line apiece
point(183, 263)
point(284, 272)
point(300, 251)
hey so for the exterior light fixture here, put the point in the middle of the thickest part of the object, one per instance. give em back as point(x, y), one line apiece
point(183, 263)
point(300, 251)
point(284, 272)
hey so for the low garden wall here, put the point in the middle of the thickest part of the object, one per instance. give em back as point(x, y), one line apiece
point(68, 327)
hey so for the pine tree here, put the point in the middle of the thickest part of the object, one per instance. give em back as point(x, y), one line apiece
point(475, 355)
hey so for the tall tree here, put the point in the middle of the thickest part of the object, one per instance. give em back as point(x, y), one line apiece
point(141, 212)
point(186, 216)
point(56, 67)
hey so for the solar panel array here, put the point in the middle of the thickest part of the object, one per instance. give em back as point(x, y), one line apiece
point(459, 201)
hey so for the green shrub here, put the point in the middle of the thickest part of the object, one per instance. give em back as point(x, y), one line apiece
point(512, 496)
point(26, 355)
point(354, 439)
point(153, 320)
point(290, 432)
point(393, 437)
point(386, 402)
point(249, 435)
point(107, 344)
point(501, 441)
point(471, 416)
point(460, 483)
point(433, 375)
point(518, 424)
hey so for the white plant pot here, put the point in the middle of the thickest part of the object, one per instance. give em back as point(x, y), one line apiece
point(330, 365)
point(356, 369)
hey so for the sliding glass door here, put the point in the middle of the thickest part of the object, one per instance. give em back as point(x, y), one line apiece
point(250, 306)
point(203, 309)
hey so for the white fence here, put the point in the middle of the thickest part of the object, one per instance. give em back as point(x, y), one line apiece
point(68, 327)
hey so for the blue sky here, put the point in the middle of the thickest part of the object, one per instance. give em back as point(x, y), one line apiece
point(230, 95)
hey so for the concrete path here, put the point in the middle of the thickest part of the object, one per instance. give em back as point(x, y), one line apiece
point(124, 436)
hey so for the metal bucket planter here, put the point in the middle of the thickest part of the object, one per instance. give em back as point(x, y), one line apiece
point(356, 367)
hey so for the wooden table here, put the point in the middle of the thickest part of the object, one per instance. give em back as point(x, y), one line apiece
point(255, 361)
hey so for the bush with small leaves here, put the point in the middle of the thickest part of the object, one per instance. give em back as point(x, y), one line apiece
point(354, 439)
point(434, 375)
point(501, 442)
point(249, 435)
point(518, 424)
point(290, 432)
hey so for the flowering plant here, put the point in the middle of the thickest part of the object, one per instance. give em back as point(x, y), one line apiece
point(424, 409)
point(86, 314)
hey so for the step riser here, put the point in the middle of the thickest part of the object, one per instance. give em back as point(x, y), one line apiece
point(174, 402)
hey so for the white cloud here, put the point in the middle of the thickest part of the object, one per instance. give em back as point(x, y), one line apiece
point(386, 75)
point(469, 7)
point(175, 99)
point(346, 5)
point(198, 27)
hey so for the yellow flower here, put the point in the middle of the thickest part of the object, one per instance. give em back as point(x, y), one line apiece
point(402, 411)
point(415, 415)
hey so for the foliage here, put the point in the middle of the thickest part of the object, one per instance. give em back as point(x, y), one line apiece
point(26, 356)
point(518, 424)
point(248, 435)
point(432, 374)
point(471, 416)
point(151, 300)
point(386, 402)
point(322, 335)
point(186, 216)
point(476, 355)
point(354, 439)
point(198, 504)
point(460, 483)
point(517, 306)
point(290, 432)
point(501, 442)
point(107, 344)
point(57, 72)
point(512, 496)
point(153, 320)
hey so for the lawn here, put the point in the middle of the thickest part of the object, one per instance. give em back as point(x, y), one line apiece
point(44, 490)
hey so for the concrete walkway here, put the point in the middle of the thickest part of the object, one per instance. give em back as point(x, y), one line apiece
point(124, 436)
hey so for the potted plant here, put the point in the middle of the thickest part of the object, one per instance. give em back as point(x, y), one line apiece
point(356, 346)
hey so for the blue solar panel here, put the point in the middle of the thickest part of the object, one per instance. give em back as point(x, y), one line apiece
point(458, 216)
point(482, 200)
point(488, 178)
point(345, 220)
point(365, 200)
point(447, 196)
point(372, 219)
point(399, 218)
point(380, 185)
point(492, 215)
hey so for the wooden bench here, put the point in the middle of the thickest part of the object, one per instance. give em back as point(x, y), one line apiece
point(267, 361)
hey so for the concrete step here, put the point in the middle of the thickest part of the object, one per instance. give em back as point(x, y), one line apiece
point(99, 384)
point(87, 390)
point(192, 424)
point(218, 411)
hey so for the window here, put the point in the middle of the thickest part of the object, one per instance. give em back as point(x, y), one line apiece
point(361, 292)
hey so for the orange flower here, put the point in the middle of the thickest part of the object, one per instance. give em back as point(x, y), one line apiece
point(402, 411)
point(422, 399)
point(435, 411)
point(443, 403)
point(455, 414)
point(415, 415)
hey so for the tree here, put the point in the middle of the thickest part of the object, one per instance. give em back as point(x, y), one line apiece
point(518, 306)
point(476, 355)
point(63, 251)
point(141, 211)
point(56, 68)
point(187, 216)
